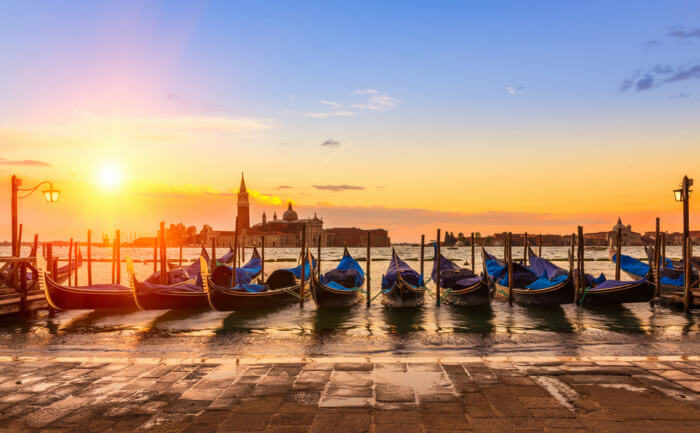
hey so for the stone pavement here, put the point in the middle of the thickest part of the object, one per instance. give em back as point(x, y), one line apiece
point(401, 395)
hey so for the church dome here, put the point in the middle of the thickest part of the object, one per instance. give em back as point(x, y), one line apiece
point(290, 214)
point(619, 225)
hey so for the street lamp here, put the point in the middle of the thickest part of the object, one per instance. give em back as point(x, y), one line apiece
point(51, 195)
point(683, 194)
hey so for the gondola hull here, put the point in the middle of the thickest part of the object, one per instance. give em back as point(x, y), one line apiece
point(472, 296)
point(222, 299)
point(171, 300)
point(403, 295)
point(328, 297)
point(562, 293)
point(634, 292)
point(85, 298)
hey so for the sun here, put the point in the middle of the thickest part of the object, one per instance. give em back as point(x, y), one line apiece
point(109, 175)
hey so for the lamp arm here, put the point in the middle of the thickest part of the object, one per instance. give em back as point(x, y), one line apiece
point(30, 191)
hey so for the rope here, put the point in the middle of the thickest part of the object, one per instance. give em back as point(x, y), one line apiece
point(583, 296)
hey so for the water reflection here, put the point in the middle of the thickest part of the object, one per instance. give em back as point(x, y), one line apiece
point(550, 318)
point(328, 320)
point(472, 319)
point(615, 318)
point(403, 320)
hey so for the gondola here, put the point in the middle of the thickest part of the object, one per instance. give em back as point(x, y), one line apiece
point(461, 286)
point(340, 287)
point(401, 285)
point(671, 271)
point(97, 296)
point(552, 286)
point(184, 294)
point(282, 287)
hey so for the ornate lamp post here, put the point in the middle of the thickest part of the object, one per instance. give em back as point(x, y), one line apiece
point(51, 195)
point(683, 194)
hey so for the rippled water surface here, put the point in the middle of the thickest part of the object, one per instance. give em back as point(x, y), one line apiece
point(632, 328)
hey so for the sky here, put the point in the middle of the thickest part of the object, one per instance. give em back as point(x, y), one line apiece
point(411, 116)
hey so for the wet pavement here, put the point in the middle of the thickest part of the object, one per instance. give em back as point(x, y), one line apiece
point(479, 394)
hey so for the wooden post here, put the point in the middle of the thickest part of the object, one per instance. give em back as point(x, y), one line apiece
point(303, 266)
point(89, 257)
point(525, 250)
point(242, 255)
point(367, 267)
point(70, 260)
point(262, 265)
point(539, 245)
point(213, 253)
point(163, 255)
point(473, 264)
point(437, 268)
point(663, 248)
point(657, 257)
point(618, 254)
point(49, 260)
point(180, 261)
point(19, 242)
point(581, 272)
point(23, 286)
point(572, 249)
point(35, 244)
point(15, 184)
point(118, 249)
point(318, 259)
point(688, 253)
point(155, 254)
point(76, 253)
point(234, 281)
point(509, 251)
point(422, 253)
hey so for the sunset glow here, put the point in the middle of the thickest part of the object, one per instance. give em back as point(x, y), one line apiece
point(109, 176)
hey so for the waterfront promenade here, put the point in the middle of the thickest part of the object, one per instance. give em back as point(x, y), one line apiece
point(352, 394)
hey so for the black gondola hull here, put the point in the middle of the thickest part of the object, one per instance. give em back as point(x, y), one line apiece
point(79, 298)
point(170, 300)
point(473, 296)
point(222, 299)
point(634, 292)
point(562, 293)
point(403, 295)
point(327, 297)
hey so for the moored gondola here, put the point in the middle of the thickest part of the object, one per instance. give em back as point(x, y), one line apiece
point(282, 287)
point(401, 285)
point(461, 286)
point(670, 271)
point(184, 293)
point(554, 286)
point(340, 287)
point(97, 296)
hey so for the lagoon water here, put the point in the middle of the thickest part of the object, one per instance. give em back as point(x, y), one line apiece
point(630, 329)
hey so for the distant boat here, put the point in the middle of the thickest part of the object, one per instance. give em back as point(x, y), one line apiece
point(553, 286)
point(340, 287)
point(401, 285)
point(462, 286)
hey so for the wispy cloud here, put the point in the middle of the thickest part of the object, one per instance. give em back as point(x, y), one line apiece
point(375, 101)
point(25, 162)
point(515, 90)
point(329, 142)
point(284, 187)
point(326, 115)
point(681, 95)
point(683, 33)
point(331, 103)
point(339, 188)
point(659, 75)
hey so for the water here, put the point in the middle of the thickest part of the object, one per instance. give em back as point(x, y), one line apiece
point(622, 329)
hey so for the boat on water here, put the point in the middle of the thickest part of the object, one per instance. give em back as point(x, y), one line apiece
point(183, 292)
point(542, 284)
point(671, 271)
point(97, 296)
point(461, 286)
point(282, 287)
point(401, 285)
point(340, 287)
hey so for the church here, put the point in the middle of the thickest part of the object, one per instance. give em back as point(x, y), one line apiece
point(286, 232)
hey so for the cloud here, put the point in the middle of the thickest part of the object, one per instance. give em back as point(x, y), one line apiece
point(681, 95)
point(329, 142)
point(339, 188)
point(326, 115)
point(682, 33)
point(25, 162)
point(284, 187)
point(660, 75)
point(331, 103)
point(653, 43)
point(375, 101)
point(366, 92)
point(515, 90)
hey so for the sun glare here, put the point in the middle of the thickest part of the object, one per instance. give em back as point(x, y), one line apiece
point(109, 176)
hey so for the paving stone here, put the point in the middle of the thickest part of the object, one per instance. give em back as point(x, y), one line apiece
point(201, 394)
point(691, 385)
point(397, 417)
point(394, 393)
point(346, 391)
point(245, 422)
point(354, 366)
point(342, 423)
point(345, 378)
point(257, 405)
point(678, 375)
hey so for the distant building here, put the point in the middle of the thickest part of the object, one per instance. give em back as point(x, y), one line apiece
point(243, 206)
point(628, 236)
point(356, 237)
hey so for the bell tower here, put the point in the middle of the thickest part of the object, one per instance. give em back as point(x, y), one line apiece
point(243, 207)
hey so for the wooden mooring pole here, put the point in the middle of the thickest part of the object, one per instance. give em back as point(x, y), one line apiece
point(155, 254)
point(180, 261)
point(318, 259)
point(618, 253)
point(70, 261)
point(437, 269)
point(89, 257)
point(422, 253)
point(687, 274)
point(509, 251)
point(303, 266)
point(581, 276)
point(657, 260)
point(76, 254)
point(539, 245)
point(118, 249)
point(473, 264)
point(234, 281)
point(367, 267)
point(163, 255)
point(262, 263)
point(525, 249)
